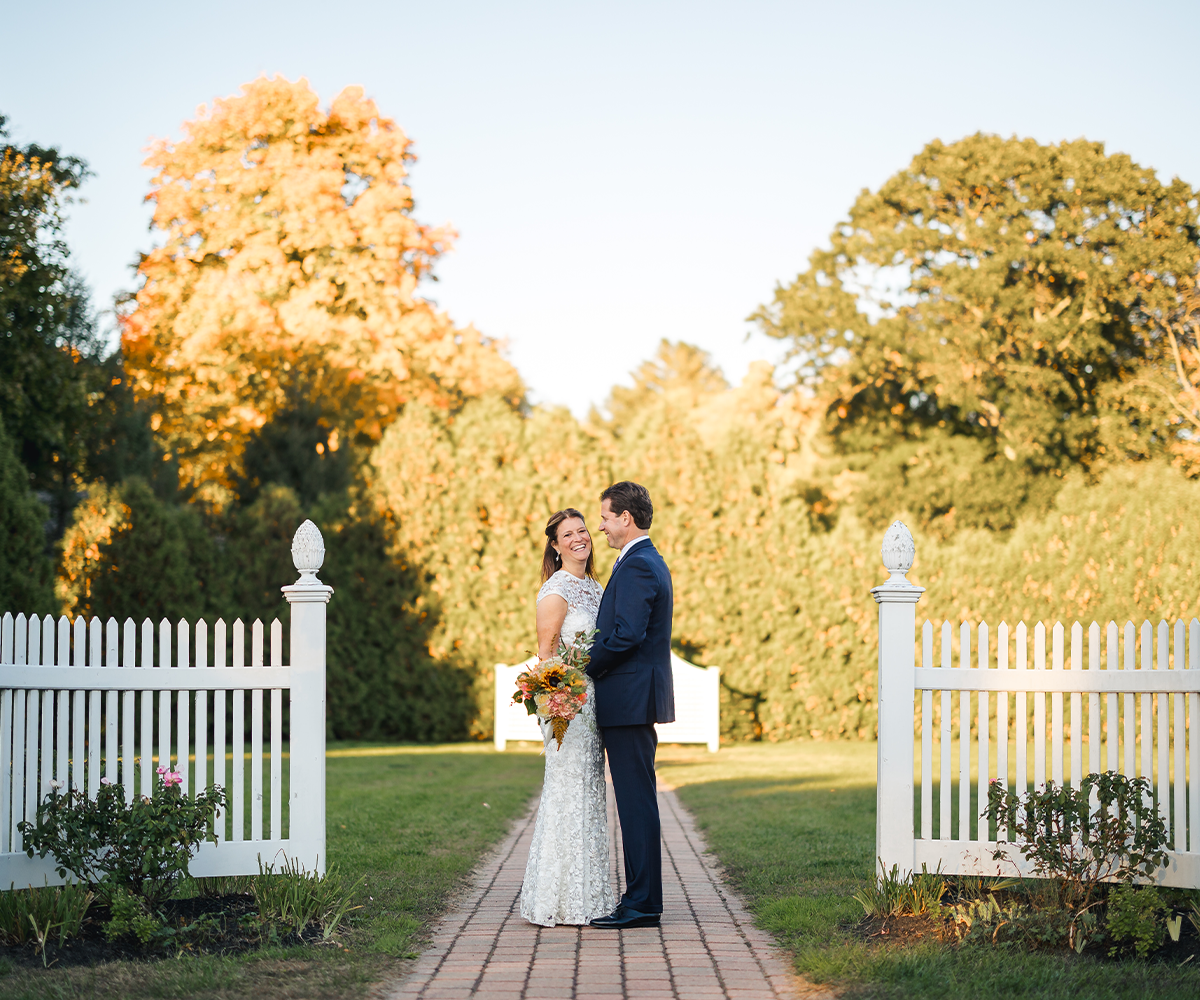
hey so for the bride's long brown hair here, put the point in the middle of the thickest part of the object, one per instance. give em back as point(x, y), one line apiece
point(551, 561)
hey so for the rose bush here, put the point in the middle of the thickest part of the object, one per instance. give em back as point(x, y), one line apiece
point(143, 846)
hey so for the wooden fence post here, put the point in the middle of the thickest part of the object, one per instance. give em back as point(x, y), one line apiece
point(308, 597)
point(897, 600)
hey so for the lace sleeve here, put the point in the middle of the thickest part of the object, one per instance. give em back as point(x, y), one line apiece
point(557, 584)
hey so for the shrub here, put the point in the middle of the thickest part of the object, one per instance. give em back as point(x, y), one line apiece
point(1064, 839)
point(1135, 918)
point(142, 847)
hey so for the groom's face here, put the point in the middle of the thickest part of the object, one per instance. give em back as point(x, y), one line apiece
point(615, 527)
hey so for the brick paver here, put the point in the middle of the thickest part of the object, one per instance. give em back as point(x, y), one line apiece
point(706, 947)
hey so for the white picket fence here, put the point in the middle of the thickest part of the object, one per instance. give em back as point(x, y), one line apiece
point(81, 701)
point(975, 710)
point(697, 706)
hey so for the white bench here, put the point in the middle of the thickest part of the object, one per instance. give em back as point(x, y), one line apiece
point(697, 706)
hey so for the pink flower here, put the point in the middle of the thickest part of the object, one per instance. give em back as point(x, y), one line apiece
point(171, 778)
point(106, 781)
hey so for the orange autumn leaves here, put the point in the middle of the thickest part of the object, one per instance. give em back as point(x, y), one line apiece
point(289, 261)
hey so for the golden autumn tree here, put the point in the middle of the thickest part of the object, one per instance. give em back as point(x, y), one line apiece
point(289, 266)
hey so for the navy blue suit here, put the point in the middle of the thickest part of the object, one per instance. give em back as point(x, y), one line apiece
point(631, 667)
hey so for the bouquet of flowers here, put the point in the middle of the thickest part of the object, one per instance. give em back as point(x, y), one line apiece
point(556, 689)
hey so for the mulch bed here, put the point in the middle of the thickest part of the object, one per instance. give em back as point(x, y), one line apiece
point(229, 933)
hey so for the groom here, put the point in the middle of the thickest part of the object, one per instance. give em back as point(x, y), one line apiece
point(631, 665)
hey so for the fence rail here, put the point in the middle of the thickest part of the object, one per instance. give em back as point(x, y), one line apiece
point(82, 702)
point(1010, 706)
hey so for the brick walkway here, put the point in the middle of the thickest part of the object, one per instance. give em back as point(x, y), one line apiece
point(706, 947)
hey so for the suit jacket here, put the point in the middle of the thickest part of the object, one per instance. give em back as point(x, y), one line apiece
point(631, 655)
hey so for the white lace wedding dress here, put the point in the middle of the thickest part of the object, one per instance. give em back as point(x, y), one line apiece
point(567, 876)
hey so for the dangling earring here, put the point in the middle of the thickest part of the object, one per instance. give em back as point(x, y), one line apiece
point(558, 557)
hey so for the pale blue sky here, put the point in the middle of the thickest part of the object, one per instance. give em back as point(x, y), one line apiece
point(618, 172)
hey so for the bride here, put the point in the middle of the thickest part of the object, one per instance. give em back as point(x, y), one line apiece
point(566, 878)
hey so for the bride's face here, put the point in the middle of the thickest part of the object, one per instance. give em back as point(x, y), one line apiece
point(573, 542)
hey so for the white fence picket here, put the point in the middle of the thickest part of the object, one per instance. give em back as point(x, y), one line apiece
point(256, 740)
point(128, 729)
point(200, 772)
point(60, 748)
point(946, 741)
point(1147, 730)
point(964, 738)
point(1194, 741)
point(1076, 723)
point(1056, 710)
point(78, 712)
point(112, 718)
point(15, 806)
point(1094, 739)
point(237, 800)
point(276, 736)
point(982, 756)
point(1161, 702)
point(47, 731)
point(1001, 714)
point(927, 738)
point(1021, 707)
point(1112, 728)
point(6, 734)
point(37, 636)
point(183, 739)
point(1039, 710)
point(218, 778)
point(94, 739)
point(165, 662)
point(1130, 663)
point(1180, 776)
point(146, 735)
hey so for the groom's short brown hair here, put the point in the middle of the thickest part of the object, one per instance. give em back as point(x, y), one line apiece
point(632, 497)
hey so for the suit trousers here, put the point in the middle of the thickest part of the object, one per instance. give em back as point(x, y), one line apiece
point(631, 763)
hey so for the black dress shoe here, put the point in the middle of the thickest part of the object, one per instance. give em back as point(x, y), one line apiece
point(625, 916)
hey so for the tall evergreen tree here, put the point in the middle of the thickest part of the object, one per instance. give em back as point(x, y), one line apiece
point(48, 337)
point(26, 569)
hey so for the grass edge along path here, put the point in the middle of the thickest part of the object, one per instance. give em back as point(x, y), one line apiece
point(793, 825)
point(415, 820)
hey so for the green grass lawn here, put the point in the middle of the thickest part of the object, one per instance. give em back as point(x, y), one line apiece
point(794, 826)
point(411, 820)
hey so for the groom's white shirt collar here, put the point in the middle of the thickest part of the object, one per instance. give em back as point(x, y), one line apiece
point(629, 545)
